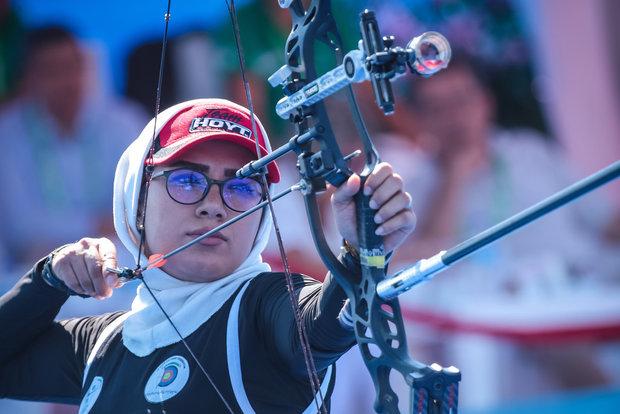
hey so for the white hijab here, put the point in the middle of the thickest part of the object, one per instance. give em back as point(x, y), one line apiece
point(189, 304)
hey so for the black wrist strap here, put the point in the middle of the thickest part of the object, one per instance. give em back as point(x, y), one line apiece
point(53, 280)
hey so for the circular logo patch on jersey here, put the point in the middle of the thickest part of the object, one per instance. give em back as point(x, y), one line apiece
point(170, 374)
point(167, 380)
point(91, 395)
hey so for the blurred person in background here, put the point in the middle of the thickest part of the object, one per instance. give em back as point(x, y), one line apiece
point(180, 82)
point(474, 174)
point(60, 145)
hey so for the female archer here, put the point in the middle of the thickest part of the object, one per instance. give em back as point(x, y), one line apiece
point(231, 343)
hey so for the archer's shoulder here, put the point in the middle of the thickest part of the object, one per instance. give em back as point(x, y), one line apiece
point(87, 329)
point(92, 325)
point(277, 281)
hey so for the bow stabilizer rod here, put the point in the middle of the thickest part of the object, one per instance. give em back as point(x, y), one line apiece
point(426, 269)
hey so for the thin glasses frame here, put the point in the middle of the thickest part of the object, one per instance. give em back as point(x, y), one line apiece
point(222, 184)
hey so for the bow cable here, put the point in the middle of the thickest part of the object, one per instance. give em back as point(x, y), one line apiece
point(301, 329)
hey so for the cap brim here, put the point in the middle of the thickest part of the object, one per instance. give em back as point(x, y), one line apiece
point(172, 151)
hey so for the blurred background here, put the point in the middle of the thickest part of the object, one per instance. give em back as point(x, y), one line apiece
point(529, 105)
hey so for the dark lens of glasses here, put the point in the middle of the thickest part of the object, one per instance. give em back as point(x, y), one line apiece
point(190, 187)
point(241, 194)
point(186, 186)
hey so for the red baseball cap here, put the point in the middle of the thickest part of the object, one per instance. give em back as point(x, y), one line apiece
point(208, 120)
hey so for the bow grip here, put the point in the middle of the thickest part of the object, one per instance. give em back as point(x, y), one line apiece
point(372, 252)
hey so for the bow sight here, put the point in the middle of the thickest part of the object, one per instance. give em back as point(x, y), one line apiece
point(376, 60)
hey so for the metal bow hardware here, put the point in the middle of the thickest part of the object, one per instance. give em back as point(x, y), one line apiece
point(377, 322)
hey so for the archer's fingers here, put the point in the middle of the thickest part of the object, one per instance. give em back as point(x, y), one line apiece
point(401, 201)
point(67, 266)
point(94, 276)
point(81, 266)
point(107, 253)
point(391, 189)
point(86, 271)
point(344, 194)
point(381, 172)
point(396, 229)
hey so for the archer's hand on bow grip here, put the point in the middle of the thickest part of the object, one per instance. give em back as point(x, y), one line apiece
point(388, 200)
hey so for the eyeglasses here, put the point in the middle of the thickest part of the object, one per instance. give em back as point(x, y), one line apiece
point(190, 187)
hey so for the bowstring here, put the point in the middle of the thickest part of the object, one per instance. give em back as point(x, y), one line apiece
point(148, 170)
point(301, 329)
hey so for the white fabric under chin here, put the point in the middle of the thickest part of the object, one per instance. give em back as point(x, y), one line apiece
point(234, 361)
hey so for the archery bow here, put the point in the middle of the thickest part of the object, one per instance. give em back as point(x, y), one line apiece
point(377, 322)
point(374, 312)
